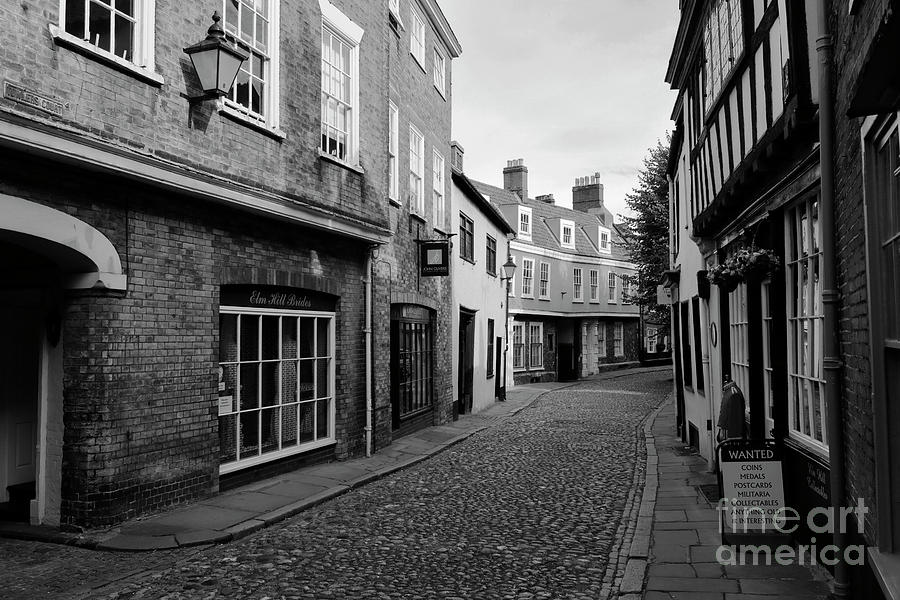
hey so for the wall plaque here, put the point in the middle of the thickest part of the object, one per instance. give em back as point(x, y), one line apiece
point(27, 97)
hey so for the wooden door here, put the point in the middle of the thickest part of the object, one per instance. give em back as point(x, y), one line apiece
point(19, 378)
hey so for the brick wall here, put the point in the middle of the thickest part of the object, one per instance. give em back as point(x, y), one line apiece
point(853, 35)
point(141, 427)
point(111, 106)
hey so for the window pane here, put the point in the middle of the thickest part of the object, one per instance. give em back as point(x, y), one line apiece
point(249, 337)
point(100, 26)
point(124, 38)
point(307, 339)
point(289, 337)
point(323, 337)
point(270, 380)
point(249, 434)
point(307, 387)
point(228, 438)
point(289, 372)
point(249, 393)
point(322, 419)
point(75, 18)
point(289, 426)
point(323, 380)
point(307, 415)
point(271, 427)
point(227, 338)
point(269, 337)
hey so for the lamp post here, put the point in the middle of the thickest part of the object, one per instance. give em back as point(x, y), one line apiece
point(216, 62)
point(509, 270)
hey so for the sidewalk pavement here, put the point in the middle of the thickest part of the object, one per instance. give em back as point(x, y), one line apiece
point(673, 554)
point(241, 511)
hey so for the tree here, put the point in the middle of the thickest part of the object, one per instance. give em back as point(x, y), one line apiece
point(646, 234)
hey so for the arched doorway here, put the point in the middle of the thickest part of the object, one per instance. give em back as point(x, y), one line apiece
point(43, 253)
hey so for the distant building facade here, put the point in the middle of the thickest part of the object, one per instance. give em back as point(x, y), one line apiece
point(479, 294)
point(570, 315)
point(205, 294)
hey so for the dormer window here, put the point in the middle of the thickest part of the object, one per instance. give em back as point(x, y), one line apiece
point(525, 223)
point(567, 234)
point(605, 245)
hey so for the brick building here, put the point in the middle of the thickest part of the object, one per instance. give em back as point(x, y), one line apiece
point(570, 314)
point(186, 294)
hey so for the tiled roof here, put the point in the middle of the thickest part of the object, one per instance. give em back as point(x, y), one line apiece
point(542, 234)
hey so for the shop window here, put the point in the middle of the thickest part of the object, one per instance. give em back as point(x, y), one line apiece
point(536, 339)
point(518, 346)
point(276, 384)
point(806, 380)
point(768, 377)
point(412, 361)
point(601, 339)
point(739, 329)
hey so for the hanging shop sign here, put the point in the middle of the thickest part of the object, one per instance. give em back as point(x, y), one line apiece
point(752, 488)
point(276, 297)
point(434, 258)
point(664, 295)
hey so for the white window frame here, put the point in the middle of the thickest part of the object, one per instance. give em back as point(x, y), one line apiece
point(605, 234)
point(339, 25)
point(650, 339)
point(595, 285)
point(142, 63)
point(544, 289)
point(417, 35)
point(518, 347)
point(567, 226)
point(768, 370)
point(416, 171)
point(394, 10)
point(393, 152)
point(531, 344)
point(618, 339)
point(527, 278)
point(439, 68)
point(626, 290)
point(329, 439)
point(805, 313)
point(525, 223)
point(739, 336)
point(438, 188)
point(577, 285)
point(612, 287)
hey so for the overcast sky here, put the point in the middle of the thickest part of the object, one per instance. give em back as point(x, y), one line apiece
point(571, 86)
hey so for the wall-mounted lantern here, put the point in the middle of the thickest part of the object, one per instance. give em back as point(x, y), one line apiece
point(216, 61)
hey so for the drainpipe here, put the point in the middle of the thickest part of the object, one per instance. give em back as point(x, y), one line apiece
point(830, 296)
point(368, 332)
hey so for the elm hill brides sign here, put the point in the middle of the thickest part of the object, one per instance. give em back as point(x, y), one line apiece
point(274, 297)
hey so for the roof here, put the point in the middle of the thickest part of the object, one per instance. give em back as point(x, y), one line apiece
point(544, 236)
point(487, 208)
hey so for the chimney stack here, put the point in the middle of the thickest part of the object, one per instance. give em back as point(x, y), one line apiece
point(546, 198)
point(456, 157)
point(515, 178)
point(587, 193)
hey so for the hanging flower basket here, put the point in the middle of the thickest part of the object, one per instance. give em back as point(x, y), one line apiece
point(745, 264)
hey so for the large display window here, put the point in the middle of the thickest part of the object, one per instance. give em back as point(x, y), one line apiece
point(276, 379)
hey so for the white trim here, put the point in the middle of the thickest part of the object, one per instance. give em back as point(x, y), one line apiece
point(351, 34)
point(520, 246)
point(530, 293)
point(417, 203)
point(570, 225)
point(578, 284)
point(145, 72)
point(542, 296)
point(572, 314)
point(333, 16)
point(42, 222)
point(393, 151)
point(439, 218)
point(525, 235)
point(269, 457)
point(607, 249)
point(60, 145)
point(417, 19)
point(442, 72)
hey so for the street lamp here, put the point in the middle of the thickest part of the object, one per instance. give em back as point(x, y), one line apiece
point(216, 62)
point(509, 270)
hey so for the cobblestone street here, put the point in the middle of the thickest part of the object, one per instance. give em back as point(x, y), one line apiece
point(530, 508)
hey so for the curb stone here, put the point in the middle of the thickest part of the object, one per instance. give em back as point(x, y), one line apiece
point(631, 563)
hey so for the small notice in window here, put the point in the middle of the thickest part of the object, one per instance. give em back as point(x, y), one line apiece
point(226, 405)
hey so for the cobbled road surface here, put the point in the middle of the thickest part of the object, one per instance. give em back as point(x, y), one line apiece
point(526, 509)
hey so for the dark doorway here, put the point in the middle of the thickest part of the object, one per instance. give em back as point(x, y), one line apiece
point(466, 361)
point(499, 373)
point(412, 368)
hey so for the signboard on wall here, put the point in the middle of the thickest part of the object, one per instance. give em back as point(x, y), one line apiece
point(276, 297)
point(664, 295)
point(434, 258)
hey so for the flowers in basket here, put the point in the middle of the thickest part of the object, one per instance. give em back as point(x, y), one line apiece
point(741, 265)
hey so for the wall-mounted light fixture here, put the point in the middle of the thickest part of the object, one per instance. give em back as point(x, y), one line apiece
point(216, 62)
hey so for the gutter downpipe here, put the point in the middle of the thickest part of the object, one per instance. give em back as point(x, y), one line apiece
point(830, 294)
point(368, 332)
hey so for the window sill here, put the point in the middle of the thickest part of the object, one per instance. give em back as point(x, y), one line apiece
point(340, 163)
point(418, 62)
point(489, 376)
point(545, 298)
point(239, 117)
point(611, 302)
point(886, 567)
point(577, 301)
point(441, 231)
point(441, 92)
point(471, 261)
point(527, 297)
point(494, 275)
point(394, 202)
point(417, 217)
point(62, 38)
point(523, 237)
